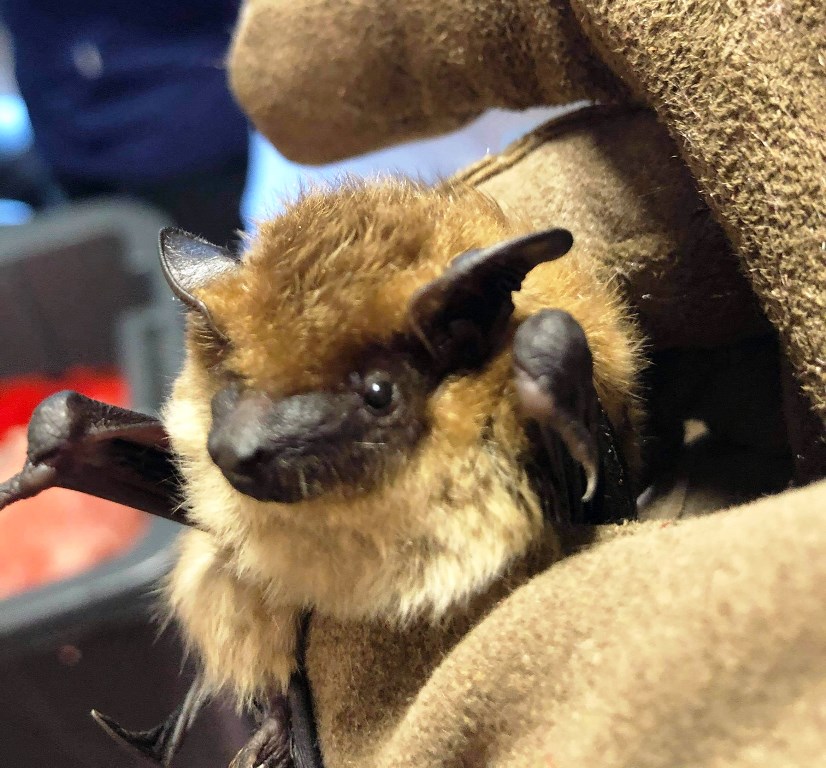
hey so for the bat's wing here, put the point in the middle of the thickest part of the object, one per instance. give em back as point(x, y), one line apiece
point(554, 381)
point(162, 742)
point(99, 449)
point(122, 456)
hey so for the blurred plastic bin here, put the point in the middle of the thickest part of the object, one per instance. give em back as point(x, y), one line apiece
point(82, 287)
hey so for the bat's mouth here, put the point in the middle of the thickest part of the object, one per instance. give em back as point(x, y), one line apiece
point(282, 484)
point(283, 493)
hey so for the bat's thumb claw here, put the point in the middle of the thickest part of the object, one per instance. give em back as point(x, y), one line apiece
point(591, 478)
point(583, 448)
point(149, 743)
point(107, 723)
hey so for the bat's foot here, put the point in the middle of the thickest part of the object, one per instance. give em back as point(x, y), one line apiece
point(269, 746)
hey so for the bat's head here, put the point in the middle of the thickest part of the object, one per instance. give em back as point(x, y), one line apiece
point(342, 410)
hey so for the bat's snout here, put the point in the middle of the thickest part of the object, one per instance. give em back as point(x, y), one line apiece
point(274, 450)
point(235, 444)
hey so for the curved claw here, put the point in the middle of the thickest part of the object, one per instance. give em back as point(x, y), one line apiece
point(151, 743)
point(578, 435)
point(162, 742)
point(269, 747)
point(584, 448)
point(553, 371)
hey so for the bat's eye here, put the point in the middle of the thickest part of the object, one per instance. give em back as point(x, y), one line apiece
point(378, 392)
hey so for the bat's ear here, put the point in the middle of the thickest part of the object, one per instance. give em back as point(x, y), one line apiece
point(188, 262)
point(461, 315)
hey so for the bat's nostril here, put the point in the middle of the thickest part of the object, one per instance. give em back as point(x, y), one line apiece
point(237, 459)
point(248, 467)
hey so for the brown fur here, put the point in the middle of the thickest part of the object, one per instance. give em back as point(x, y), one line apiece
point(328, 279)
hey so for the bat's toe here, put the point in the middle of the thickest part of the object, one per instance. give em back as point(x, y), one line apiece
point(269, 746)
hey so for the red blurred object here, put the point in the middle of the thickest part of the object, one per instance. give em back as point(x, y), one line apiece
point(20, 396)
point(59, 533)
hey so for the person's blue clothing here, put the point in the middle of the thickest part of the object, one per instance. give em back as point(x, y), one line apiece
point(127, 90)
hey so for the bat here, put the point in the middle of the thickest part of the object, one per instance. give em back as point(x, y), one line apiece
point(385, 401)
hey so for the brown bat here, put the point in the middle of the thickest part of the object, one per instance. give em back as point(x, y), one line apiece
point(387, 400)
